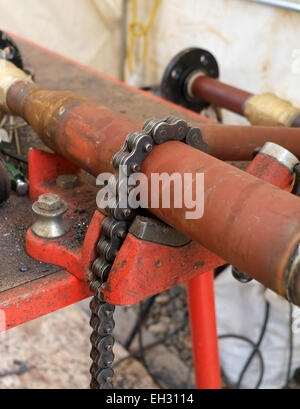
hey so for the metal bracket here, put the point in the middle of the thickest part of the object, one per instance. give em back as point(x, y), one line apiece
point(155, 231)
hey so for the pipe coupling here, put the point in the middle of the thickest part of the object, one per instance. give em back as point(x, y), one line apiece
point(270, 110)
point(282, 155)
point(9, 75)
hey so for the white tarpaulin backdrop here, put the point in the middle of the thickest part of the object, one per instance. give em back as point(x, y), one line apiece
point(257, 46)
point(84, 30)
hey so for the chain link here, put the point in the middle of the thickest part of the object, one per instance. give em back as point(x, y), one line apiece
point(114, 229)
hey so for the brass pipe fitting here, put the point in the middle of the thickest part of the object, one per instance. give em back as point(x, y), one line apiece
point(270, 110)
point(9, 75)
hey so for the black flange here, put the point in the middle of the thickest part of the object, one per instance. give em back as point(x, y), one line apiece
point(9, 50)
point(184, 64)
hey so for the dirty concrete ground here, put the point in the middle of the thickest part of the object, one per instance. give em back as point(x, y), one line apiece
point(52, 352)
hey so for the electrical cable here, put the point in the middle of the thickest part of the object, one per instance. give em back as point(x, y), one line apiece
point(140, 353)
point(257, 352)
point(291, 346)
point(258, 344)
point(135, 354)
point(148, 305)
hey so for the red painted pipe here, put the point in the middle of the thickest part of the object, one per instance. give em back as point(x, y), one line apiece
point(270, 110)
point(66, 120)
point(247, 222)
point(271, 171)
point(220, 94)
point(231, 142)
point(204, 331)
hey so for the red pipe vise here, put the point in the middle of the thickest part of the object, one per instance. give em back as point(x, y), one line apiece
point(154, 256)
point(143, 267)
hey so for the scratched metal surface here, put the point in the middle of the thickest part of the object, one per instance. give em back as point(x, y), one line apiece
point(15, 218)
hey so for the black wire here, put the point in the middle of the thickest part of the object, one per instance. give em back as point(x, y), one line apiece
point(140, 354)
point(257, 352)
point(291, 346)
point(258, 344)
point(142, 317)
point(135, 353)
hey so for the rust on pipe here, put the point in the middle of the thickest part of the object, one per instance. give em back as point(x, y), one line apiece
point(265, 109)
point(243, 140)
point(248, 222)
point(83, 131)
point(220, 94)
point(64, 120)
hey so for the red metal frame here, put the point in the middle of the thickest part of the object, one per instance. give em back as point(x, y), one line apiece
point(41, 297)
point(204, 331)
point(141, 268)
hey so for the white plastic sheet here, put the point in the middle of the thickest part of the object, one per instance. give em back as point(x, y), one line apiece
point(84, 30)
point(241, 311)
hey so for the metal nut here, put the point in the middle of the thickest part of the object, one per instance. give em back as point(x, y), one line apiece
point(49, 202)
point(49, 210)
point(67, 181)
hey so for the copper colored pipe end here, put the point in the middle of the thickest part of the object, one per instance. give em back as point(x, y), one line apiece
point(220, 94)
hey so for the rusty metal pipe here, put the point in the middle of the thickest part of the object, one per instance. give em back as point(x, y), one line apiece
point(220, 94)
point(251, 224)
point(83, 131)
point(64, 118)
point(248, 222)
point(243, 140)
point(265, 109)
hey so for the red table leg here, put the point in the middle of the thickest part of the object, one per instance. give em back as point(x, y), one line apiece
point(204, 331)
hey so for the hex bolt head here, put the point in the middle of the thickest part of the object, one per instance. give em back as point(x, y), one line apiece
point(49, 210)
point(67, 182)
point(49, 202)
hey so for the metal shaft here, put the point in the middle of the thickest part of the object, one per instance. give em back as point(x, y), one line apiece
point(249, 223)
point(220, 94)
point(265, 109)
point(231, 142)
